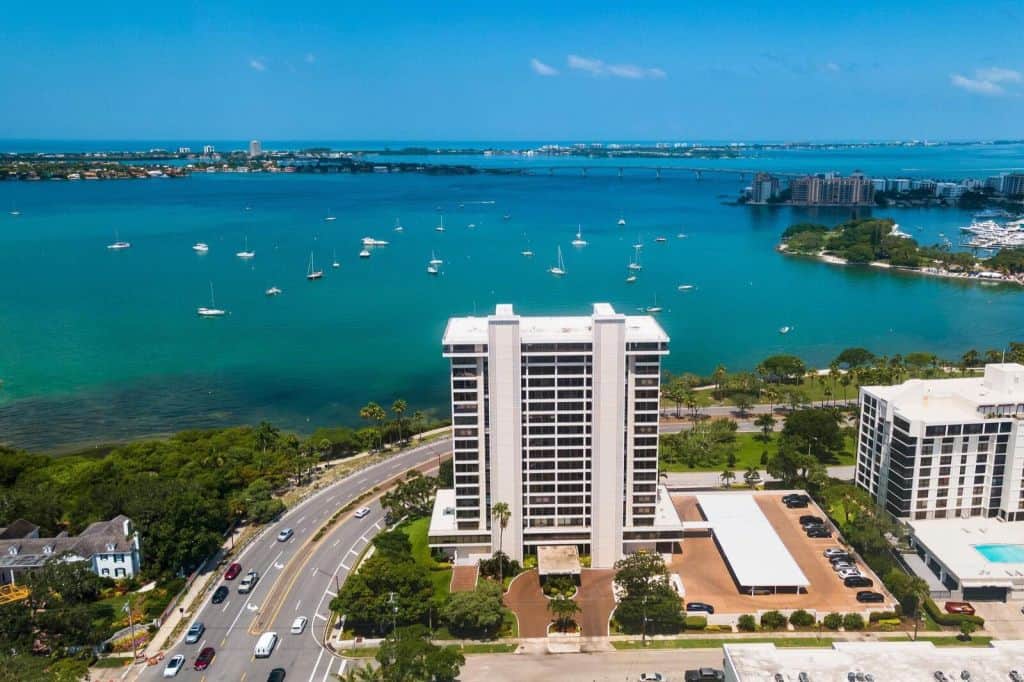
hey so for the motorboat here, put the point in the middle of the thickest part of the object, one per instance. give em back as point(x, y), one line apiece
point(118, 244)
point(527, 252)
point(661, 240)
point(365, 253)
point(686, 287)
point(785, 330)
point(200, 247)
point(630, 279)
point(370, 241)
point(273, 291)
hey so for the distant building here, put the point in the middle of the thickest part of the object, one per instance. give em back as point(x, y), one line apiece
point(110, 547)
point(764, 188)
point(184, 150)
point(996, 182)
point(255, 148)
point(832, 190)
point(208, 149)
point(1013, 184)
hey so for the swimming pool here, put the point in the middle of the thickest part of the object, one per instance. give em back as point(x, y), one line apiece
point(1002, 554)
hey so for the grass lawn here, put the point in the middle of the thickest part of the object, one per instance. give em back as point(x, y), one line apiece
point(112, 662)
point(495, 648)
point(749, 447)
point(975, 640)
point(440, 574)
point(709, 643)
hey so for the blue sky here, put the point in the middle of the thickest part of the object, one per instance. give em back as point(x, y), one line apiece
point(508, 71)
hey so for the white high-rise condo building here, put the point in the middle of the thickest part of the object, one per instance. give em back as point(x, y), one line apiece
point(557, 417)
point(945, 448)
point(255, 148)
point(208, 149)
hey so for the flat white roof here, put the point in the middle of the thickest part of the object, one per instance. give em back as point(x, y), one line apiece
point(903, 661)
point(952, 400)
point(551, 329)
point(954, 541)
point(442, 517)
point(751, 546)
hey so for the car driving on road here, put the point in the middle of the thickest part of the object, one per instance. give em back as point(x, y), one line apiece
point(220, 594)
point(205, 658)
point(298, 625)
point(174, 666)
point(362, 512)
point(285, 535)
point(232, 572)
point(248, 582)
point(195, 633)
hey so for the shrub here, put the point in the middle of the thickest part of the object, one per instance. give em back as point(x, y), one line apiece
point(696, 622)
point(875, 616)
point(801, 619)
point(853, 621)
point(559, 586)
point(501, 564)
point(772, 620)
point(529, 562)
point(951, 619)
point(832, 621)
point(746, 623)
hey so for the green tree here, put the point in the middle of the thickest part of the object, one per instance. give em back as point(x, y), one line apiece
point(393, 543)
point(412, 497)
point(398, 408)
point(967, 628)
point(766, 422)
point(563, 610)
point(647, 594)
point(782, 368)
point(376, 414)
point(408, 655)
point(743, 402)
point(752, 477)
point(727, 477)
point(387, 589)
point(971, 358)
point(477, 614)
point(816, 431)
point(501, 513)
point(855, 357)
point(364, 673)
point(676, 391)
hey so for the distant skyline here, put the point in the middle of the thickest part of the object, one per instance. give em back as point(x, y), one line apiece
point(471, 71)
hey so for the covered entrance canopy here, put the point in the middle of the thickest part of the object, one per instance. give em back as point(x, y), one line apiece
point(558, 560)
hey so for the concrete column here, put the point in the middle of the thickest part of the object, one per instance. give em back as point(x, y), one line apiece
point(506, 417)
point(607, 436)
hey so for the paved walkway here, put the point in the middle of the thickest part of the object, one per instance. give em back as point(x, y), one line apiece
point(526, 600)
point(596, 600)
point(464, 578)
point(713, 479)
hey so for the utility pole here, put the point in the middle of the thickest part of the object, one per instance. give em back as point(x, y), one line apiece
point(394, 611)
point(643, 636)
point(131, 623)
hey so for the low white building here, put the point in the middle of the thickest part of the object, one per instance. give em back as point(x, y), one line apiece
point(110, 547)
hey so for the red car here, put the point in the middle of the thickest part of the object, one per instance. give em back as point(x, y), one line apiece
point(204, 658)
point(959, 607)
point(232, 572)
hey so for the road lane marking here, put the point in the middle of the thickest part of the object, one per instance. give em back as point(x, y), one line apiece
point(321, 616)
point(341, 668)
point(317, 664)
point(240, 611)
point(226, 605)
point(328, 671)
point(347, 568)
point(202, 644)
point(333, 594)
point(242, 678)
point(297, 604)
point(303, 518)
point(336, 543)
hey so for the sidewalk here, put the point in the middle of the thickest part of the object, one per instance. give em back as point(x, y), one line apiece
point(713, 479)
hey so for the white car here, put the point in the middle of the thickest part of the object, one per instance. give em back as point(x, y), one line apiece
point(248, 582)
point(651, 677)
point(362, 512)
point(174, 666)
point(298, 625)
point(849, 573)
point(285, 535)
point(842, 566)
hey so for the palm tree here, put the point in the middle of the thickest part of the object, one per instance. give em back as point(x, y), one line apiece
point(752, 476)
point(728, 476)
point(563, 609)
point(969, 359)
point(374, 412)
point(501, 513)
point(416, 422)
point(398, 408)
point(367, 673)
point(844, 381)
point(766, 422)
point(265, 435)
point(719, 377)
point(771, 395)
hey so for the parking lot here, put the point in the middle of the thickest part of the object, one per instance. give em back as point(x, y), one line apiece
point(707, 578)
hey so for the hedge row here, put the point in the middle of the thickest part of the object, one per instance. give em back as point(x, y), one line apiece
point(952, 619)
point(696, 622)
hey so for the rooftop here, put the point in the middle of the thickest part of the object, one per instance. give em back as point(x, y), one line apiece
point(903, 661)
point(558, 560)
point(100, 537)
point(951, 400)
point(550, 329)
point(953, 541)
point(752, 548)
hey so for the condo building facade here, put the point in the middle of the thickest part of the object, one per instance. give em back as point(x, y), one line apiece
point(557, 417)
point(830, 189)
point(945, 448)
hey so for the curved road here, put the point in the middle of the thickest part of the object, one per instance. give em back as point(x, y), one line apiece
point(297, 578)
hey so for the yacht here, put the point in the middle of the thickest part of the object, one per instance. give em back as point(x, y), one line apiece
point(365, 253)
point(622, 220)
point(335, 263)
point(431, 269)
point(440, 227)
point(246, 253)
point(558, 270)
point(630, 278)
point(653, 309)
point(661, 240)
point(312, 273)
point(434, 260)
point(785, 330)
point(579, 241)
point(213, 310)
point(330, 218)
point(200, 247)
point(370, 241)
point(527, 252)
point(686, 287)
point(635, 263)
point(273, 291)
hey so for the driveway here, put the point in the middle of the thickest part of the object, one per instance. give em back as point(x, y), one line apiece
point(526, 600)
point(1002, 620)
point(596, 599)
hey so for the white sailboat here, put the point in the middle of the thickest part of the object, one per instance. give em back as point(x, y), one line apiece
point(213, 310)
point(311, 273)
point(558, 270)
point(330, 218)
point(635, 263)
point(653, 309)
point(118, 244)
point(273, 291)
point(365, 253)
point(686, 287)
point(622, 220)
point(440, 227)
point(246, 253)
point(335, 263)
point(434, 260)
point(639, 244)
point(398, 226)
point(785, 330)
point(200, 247)
point(579, 241)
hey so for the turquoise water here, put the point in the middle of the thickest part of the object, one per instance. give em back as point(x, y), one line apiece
point(1002, 554)
point(96, 344)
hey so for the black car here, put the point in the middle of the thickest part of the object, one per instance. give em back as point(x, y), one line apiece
point(704, 675)
point(868, 597)
point(796, 497)
point(819, 532)
point(276, 675)
point(700, 606)
point(858, 581)
point(797, 504)
point(220, 594)
point(807, 525)
point(811, 518)
point(844, 558)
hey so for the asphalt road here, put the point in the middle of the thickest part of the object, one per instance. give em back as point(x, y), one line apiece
point(298, 578)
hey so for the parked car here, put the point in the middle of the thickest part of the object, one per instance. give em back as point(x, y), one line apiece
point(285, 535)
point(959, 607)
point(276, 675)
point(798, 497)
point(704, 675)
point(195, 633)
point(248, 582)
point(835, 552)
point(812, 524)
point(868, 597)
point(842, 565)
point(651, 677)
point(205, 658)
point(232, 572)
point(362, 512)
point(858, 581)
point(811, 518)
point(842, 559)
point(220, 594)
point(798, 504)
point(699, 606)
point(818, 532)
point(174, 666)
point(298, 625)
point(849, 573)
point(940, 676)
